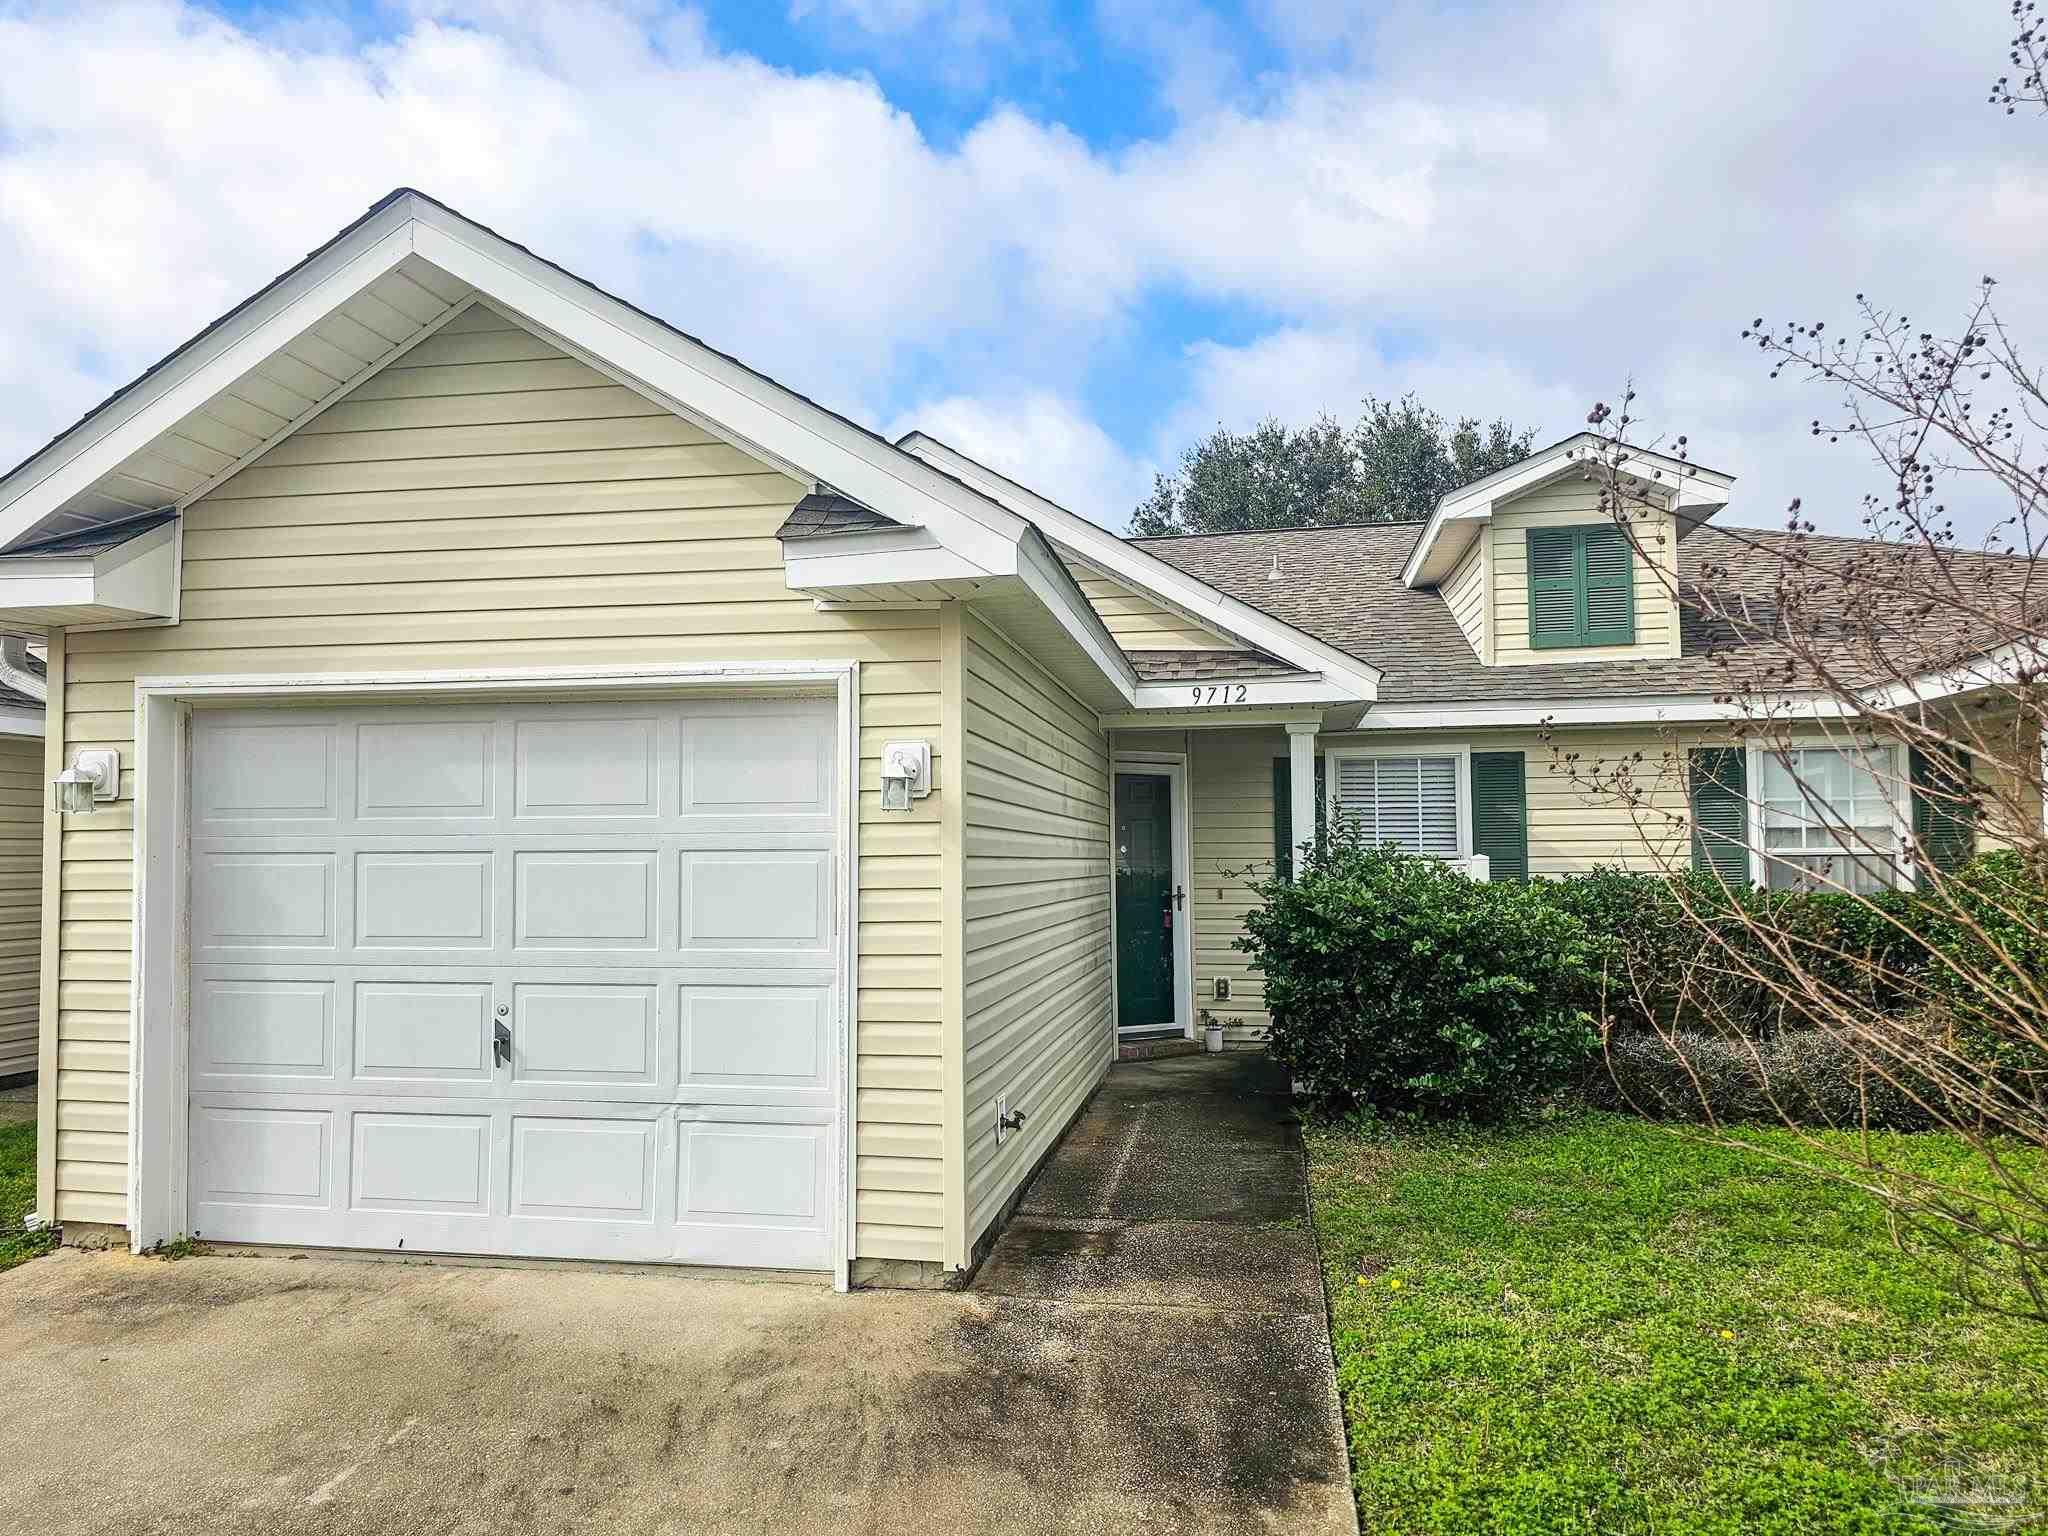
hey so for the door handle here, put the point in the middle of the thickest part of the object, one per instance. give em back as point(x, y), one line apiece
point(501, 1043)
point(1179, 896)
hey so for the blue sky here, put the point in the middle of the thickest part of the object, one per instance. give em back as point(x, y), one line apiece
point(1070, 235)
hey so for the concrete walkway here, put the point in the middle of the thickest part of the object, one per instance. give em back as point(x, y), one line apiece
point(1145, 1353)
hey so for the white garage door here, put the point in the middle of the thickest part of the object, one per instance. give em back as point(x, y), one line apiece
point(517, 979)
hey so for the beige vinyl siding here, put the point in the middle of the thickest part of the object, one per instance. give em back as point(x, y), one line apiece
point(22, 797)
point(489, 502)
point(1036, 993)
point(1465, 593)
point(1572, 827)
point(1140, 623)
point(1562, 505)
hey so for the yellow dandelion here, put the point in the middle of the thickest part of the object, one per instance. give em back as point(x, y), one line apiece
point(1364, 1280)
point(1393, 1285)
point(1727, 1333)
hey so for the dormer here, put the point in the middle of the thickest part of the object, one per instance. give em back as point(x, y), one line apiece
point(1537, 572)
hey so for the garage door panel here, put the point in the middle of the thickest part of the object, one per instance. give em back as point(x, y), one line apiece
point(248, 1155)
point(410, 770)
point(585, 1033)
point(423, 900)
point(587, 766)
point(432, 1032)
point(266, 1029)
point(757, 762)
point(642, 897)
point(420, 1161)
point(264, 768)
point(583, 1169)
point(585, 900)
point(255, 901)
point(758, 900)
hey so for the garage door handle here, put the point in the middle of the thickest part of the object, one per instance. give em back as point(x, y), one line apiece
point(501, 1044)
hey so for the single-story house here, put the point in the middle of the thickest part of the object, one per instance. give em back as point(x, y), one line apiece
point(533, 785)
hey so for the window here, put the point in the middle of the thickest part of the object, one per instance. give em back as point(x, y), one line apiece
point(1411, 802)
point(1581, 586)
point(1830, 817)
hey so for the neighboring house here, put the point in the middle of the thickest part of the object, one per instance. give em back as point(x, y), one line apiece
point(24, 793)
point(575, 796)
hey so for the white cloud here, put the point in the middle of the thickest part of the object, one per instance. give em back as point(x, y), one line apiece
point(1537, 205)
point(1042, 441)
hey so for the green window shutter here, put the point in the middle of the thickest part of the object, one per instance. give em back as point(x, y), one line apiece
point(1283, 814)
point(1553, 558)
point(1944, 826)
point(1720, 812)
point(1582, 586)
point(1607, 556)
point(1500, 813)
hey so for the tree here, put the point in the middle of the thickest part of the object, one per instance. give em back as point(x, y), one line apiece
point(1394, 464)
point(1921, 659)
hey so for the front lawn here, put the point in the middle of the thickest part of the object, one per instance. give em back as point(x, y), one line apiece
point(1601, 1325)
point(18, 1194)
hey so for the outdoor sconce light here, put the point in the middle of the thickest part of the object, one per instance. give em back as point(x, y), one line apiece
point(94, 776)
point(906, 773)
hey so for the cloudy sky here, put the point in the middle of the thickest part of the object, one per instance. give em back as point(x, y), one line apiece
point(1067, 235)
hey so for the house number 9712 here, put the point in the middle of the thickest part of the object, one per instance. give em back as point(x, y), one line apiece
point(1219, 693)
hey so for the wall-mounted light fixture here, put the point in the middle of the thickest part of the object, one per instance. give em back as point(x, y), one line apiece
point(906, 773)
point(93, 778)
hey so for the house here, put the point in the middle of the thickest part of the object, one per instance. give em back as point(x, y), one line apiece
point(22, 795)
point(534, 785)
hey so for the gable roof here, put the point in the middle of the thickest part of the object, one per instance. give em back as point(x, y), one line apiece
point(1445, 535)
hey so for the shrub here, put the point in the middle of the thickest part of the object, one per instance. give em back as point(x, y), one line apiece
point(1396, 983)
point(1805, 1077)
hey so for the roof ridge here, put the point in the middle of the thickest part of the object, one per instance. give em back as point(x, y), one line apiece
point(1238, 533)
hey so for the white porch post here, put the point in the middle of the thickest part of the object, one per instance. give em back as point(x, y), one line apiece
point(1301, 779)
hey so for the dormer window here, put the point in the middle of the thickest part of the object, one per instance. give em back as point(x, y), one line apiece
point(1581, 586)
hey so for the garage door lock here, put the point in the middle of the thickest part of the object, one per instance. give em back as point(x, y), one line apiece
point(501, 1043)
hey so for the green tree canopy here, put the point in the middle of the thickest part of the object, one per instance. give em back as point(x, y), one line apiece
point(1395, 463)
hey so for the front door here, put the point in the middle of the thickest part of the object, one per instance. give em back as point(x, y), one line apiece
point(1147, 902)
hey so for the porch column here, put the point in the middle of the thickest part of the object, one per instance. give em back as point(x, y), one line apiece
point(1301, 780)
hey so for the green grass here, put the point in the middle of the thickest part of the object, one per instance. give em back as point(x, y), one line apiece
point(1602, 1326)
point(17, 1195)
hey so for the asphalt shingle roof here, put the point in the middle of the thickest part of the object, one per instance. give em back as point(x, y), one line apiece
point(825, 512)
point(1343, 585)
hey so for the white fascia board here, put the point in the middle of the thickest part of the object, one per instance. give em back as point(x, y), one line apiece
point(1690, 486)
point(831, 569)
point(104, 440)
point(736, 399)
point(1154, 576)
point(135, 580)
point(1672, 710)
point(1250, 692)
point(17, 720)
point(1053, 584)
point(2006, 667)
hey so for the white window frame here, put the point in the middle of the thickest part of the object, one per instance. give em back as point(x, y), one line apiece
point(1893, 776)
point(1462, 788)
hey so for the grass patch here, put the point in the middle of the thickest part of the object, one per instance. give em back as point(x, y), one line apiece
point(1600, 1326)
point(17, 1195)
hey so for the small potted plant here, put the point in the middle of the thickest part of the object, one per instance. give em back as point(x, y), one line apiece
point(1212, 1033)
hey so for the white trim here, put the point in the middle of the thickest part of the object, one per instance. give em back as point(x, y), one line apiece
point(157, 1149)
point(1174, 765)
point(18, 720)
point(104, 440)
point(1652, 710)
point(1334, 756)
point(1153, 576)
point(1899, 790)
point(135, 579)
point(1054, 586)
point(1301, 778)
point(1686, 484)
point(1218, 717)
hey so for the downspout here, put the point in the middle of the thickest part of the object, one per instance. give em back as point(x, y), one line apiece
point(15, 671)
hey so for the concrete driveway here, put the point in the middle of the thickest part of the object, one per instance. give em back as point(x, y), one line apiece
point(1145, 1351)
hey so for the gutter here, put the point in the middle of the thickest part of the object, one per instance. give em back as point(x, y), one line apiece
point(16, 673)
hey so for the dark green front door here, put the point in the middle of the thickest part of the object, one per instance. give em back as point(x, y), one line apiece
point(1144, 900)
